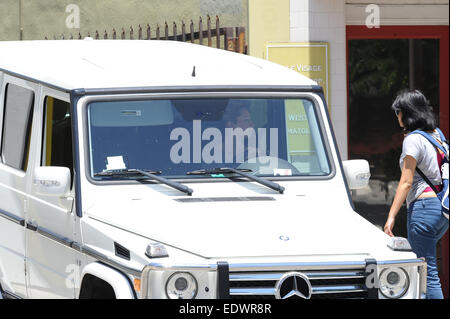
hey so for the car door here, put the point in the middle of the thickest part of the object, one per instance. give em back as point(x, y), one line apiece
point(16, 115)
point(50, 226)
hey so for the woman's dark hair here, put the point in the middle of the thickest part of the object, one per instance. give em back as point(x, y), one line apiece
point(234, 110)
point(417, 113)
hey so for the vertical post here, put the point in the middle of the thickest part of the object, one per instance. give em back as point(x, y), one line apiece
point(175, 31)
point(183, 31)
point(123, 34)
point(140, 33)
point(105, 35)
point(241, 39)
point(158, 32)
point(200, 31)
point(192, 31)
point(217, 32)
point(443, 122)
point(166, 31)
point(114, 34)
point(131, 33)
point(20, 21)
point(149, 32)
point(225, 39)
point(208, 23)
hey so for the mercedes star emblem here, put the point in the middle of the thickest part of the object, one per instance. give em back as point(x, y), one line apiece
point(293, 285)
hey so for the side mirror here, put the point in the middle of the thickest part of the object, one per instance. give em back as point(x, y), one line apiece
point(52, 181)
point(357, 173)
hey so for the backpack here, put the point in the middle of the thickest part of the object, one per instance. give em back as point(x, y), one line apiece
point(443, 194)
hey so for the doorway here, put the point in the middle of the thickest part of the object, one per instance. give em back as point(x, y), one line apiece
point(380, 63)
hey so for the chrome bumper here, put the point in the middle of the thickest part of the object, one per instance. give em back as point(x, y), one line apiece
point(328, 279)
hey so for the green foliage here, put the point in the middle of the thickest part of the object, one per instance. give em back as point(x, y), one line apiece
point(377, 68)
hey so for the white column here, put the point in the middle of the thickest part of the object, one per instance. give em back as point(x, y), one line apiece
point(324, 20)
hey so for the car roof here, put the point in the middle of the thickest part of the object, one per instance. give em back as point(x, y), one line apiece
point(94, 64)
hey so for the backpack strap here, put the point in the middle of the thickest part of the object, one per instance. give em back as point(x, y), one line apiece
point(442, 136)
point(445, 143)
point(433, 140)
point(437, 145)
point(425, 178)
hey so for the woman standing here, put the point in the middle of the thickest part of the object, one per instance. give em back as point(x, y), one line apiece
point(425, 222)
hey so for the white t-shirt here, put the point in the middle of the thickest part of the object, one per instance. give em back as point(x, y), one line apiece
point(418, 147)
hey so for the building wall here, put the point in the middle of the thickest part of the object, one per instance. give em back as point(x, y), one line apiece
point(268, 22)
point(307, 21)
point(9, 20)
point(324, 20)
point(48, 17)
point(399, 12)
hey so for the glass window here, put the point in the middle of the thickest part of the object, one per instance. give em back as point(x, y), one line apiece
point(378, 69)
point(269, 137)
point(16, 131)
point(57, 137)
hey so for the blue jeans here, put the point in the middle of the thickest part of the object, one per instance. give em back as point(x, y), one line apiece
point(426, 225)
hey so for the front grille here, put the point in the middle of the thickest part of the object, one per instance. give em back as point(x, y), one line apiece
point(326, 284)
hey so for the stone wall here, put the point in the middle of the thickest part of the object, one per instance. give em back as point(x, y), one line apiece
point(49, 17)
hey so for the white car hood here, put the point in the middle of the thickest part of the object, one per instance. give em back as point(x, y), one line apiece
point(286, 226)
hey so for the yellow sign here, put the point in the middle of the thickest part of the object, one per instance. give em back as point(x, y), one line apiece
point(309, 59)
point(297, 129)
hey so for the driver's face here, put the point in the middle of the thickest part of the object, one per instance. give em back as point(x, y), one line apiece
point(244, 120)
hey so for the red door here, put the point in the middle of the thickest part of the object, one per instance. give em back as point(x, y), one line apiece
point(439, 33)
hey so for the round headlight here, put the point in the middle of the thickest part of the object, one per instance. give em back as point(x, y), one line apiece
point(181, 285)
point(394, 282)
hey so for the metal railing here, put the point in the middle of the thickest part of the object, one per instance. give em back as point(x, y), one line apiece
point(227, 38)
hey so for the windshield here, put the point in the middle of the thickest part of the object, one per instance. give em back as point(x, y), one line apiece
point(178, 137)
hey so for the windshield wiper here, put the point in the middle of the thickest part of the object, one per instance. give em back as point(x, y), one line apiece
point(124, 173)
point(229, 170)
point(149, 174)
